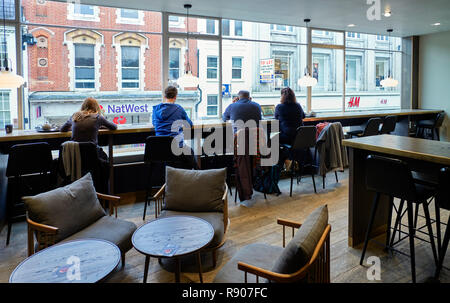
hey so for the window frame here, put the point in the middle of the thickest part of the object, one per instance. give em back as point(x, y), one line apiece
point(75, 66)
point(237, 68)
point(208, 105)
point(215, 68)
point(138, 80)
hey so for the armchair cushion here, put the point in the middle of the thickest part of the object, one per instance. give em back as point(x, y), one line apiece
point(214, 218)
point(260, 255)
point(70, 208)
point(195, 190)
point(301, 248)
point(111, 229)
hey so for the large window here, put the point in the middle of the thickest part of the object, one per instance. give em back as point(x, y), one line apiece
point(130, 66)
point(84, 66)
point(174, 63)
point(211, 67)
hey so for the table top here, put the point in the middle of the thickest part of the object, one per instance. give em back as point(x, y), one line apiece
point(408, 147)
point(97, 259)
point(172, 236)
point(19, 135)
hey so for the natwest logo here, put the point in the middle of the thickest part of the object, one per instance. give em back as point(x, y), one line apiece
point(127, 108)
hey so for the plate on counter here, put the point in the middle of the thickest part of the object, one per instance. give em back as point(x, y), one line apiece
point(51, 130)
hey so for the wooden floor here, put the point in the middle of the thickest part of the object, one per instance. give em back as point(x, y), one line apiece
point(255, 221)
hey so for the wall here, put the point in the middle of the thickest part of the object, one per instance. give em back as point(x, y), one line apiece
point(434, 76)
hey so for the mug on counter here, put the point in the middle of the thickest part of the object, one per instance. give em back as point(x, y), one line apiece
point(8, 128)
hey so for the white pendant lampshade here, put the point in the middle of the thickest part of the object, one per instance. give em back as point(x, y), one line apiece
point(389, 82)
point(9, 79)
point(307, 81)
point(188, 80)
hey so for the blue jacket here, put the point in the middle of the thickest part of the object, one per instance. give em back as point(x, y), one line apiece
point(244, 110)
point(164, 114)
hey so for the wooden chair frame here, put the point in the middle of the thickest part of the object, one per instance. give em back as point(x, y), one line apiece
point(316, 271)
point(46, 234)
point(159, 200)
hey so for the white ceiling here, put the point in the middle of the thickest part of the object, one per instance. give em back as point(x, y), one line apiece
point(409, 17)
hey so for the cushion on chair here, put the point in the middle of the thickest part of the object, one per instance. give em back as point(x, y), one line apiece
point(301, 248)
point(214, 218)
point(195, 190)
point(111, 229)
point(70, 208)
point(260, 255)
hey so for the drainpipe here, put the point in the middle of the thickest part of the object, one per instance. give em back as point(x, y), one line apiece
point(198, 102)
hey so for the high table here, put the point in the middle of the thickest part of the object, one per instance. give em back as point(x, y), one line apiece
point(425, 156)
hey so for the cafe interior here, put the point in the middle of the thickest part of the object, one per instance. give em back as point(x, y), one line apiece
point(355, 188)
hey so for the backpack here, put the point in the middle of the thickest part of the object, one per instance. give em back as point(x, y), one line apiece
point(266, 180)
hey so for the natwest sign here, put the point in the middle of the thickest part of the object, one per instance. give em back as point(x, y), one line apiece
point(127, 108)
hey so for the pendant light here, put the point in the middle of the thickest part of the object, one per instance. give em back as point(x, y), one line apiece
point(389, 81)
point(307, 80)
point(8, 79)
point(187, 79)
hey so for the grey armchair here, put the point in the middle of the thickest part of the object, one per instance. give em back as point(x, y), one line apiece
point(74, 212)
point(305, 259)
point(198, 193)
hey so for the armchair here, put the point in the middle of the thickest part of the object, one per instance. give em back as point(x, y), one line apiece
point(180, 196)
point(305, 259)
point(74, 212)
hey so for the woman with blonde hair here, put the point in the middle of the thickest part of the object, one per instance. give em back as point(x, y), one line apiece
point(86, 123)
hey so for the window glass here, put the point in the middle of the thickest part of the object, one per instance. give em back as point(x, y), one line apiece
point(174, 63)
point(84, 66)
point(196, 25)
point(129, 13)
point(210, 26)
point(9, 10)
point(8, 97)
point(225, 27)
point(327, 37)
point(236, 72)
point(211, 67)
point(130, 66)
point(82, 9)
point(327, 68)
point(212, 106)
point(237, 28)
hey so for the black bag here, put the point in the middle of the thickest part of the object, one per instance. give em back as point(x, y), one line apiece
point(266, 179)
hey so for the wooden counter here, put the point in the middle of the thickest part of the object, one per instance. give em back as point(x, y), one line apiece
point(426, 156)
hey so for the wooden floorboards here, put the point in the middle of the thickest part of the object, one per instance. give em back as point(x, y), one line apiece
point(255, 221)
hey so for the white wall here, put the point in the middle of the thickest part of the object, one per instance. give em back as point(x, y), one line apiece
point(434, 76)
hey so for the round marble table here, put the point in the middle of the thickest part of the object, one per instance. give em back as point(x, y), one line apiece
point(173, 237)
point(80, 261)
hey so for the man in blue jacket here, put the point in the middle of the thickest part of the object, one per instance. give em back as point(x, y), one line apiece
point(166, 113)
point(243, 109)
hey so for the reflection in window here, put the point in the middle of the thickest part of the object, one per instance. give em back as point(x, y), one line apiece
point(236, 72)
point(84, 66)
point(225, 27)
point(353, 73)
point(130, 66)
point(211, 72)
point(237, 28)
point(212, 106)
point(282, 64)
point(174, 63)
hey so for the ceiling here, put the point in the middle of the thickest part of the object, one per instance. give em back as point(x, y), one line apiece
point(409, 17)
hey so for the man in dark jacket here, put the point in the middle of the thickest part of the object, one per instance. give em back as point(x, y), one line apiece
point(244, 109)
point(163, 118)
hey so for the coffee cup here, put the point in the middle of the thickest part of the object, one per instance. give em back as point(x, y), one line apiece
point(8, 128)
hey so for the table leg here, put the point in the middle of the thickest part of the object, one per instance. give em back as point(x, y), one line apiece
point(111, 165)
point(199, 261)
point(177, 270)
point(147, 263)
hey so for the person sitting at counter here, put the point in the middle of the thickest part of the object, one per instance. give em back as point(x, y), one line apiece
point(86, 123)
point(243, 109)
point(166, 114)
point(290, 114)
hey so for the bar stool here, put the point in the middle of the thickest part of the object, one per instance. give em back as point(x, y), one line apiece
point(389, 124)
point(372, 128)
point(442, 201)
point(431, 125)
point(158, 152)
point(305, 139)
point(392, 177)
point(29, 173)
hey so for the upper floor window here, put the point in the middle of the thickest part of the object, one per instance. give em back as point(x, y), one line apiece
point(225, 27)
point(84, 66)
point(130, 66)
point(82, 9)
point(129, 13)
point(237, 28)
point(281, 28)
point(236, 72)
point(211, 70)
point(174, 63)
point(212, 107)
point(382, 38)
point(353, 35)
point(210, 26)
